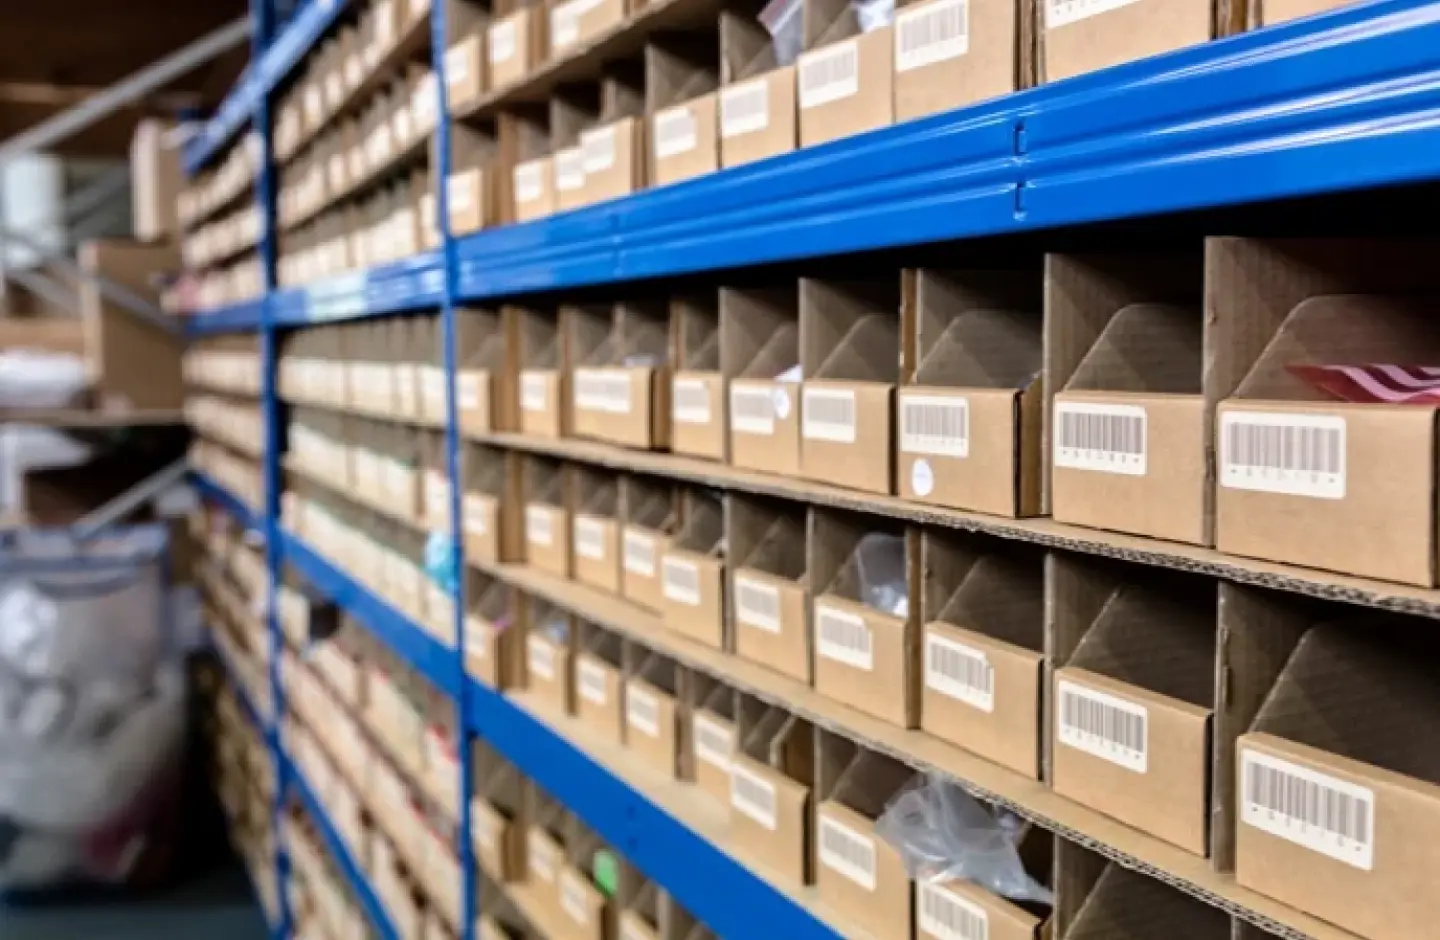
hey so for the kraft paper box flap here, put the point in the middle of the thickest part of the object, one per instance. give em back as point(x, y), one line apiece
point(574, 109)
point(695, 332)
point(546, 814)
point(746, 47)
point(759, 331)
point(499, 781)
point(540, 341)
point(599, 491)
point(589, 334)
point(1000, 594)
point(622, 90)
point(850, 330)
point(767, 535)
point(978, 329)
point(860, 780)
point(679, 67)
point(480, 340)
point(1145, 347)
point(757, 728)
point(489, 599)
point(1126, 905)
point(827, 21)
point(648, 503)
point(702, 530)
point(642, 330)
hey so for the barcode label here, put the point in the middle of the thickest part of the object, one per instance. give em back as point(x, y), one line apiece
point(843, 637)
point(844, 850)
point(468, 385)
point(642, 711)
point(745, 108)
point(533, 391)
point(599, 148)
point(1101, 724)
point(529, 181)
point(674, 132)
point(714, 743)
point(935, 425)
point(1064, 12)
point(542, 657)
point(457, 67)
point(692, 401)
point(639, 553)
point(1293, 454)
point(602, 390)
point(574, 898)
point(542, 856)
point(754, 796)
point(680, 581)
point(1317, 811)
point(594, 684)
point(829, 415)
point(757, 604)
point(959, 671)
point(829, 74)
point(932, 33)
point(461, 190)
point(948, 916)
point(539, 525)
point(1105, 438)
point(564, 25)
point(752, 410)
point(589, 538)
point(502, 42)
point(477, 514)
point(569, 169)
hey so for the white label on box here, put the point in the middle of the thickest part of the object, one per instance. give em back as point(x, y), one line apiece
point(529, 181)
point(639, 553)
point(477, 512)
point(844, 850)
point(674, 132)
point(1064, 12)
point(457, 66)
point(829, 74)
point(542, 856)
point(593, 682)
point(461, 188)
point(1311, 809)
point(642, 711)
point(959, 671)
point(468, 385)
point(437, 497)
point(947, 916)
point(542, 657)
point(477, 637)
point(753, 796)
point(751, 410)
point(745, 108)
point(931, 33)
point(574, 898)
point(602, 390)
point(484, 826)
point(631, 931)
point(829, 415)
point(589, 538)
point(935, 424)
point(757, 604)
point(692, 401)
point(569, 169)
point(539, 527)
point(844, 637)
point(1103, 438)
point(681, 580)
point(533, 391)
point(599, 148)
point(502, 42)
point(714, 743)
point(564, 24)
point(1293, 454)
point(1104, 725)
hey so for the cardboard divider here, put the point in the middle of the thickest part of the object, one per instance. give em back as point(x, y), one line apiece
point(769, 583)
point(544, 371)
point(640, 918)
point(713, 734)
point(699, 419)
point(599, 678)
point(692, 571)
point(494, 638)
point(596, 532)
point(492, 510)
point(681, 75)
point(971, 411)
point(548, 506)
point(621, 359)
point(756, 101)
point(654, 709)
point(1100, 900)
point(772, 779)
point(551, 642)
point(850, 357)
point(982, 603)
point(866, 656)
point(485, 371)
point(760, 344)
point(1134, 695)
point(1128, 427)
point(524, 135)
point(845, 78)
point(650, 508)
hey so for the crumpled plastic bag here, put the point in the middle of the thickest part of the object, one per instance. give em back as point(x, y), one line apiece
point(880, 564)
point(782, 19)
point(37, 378)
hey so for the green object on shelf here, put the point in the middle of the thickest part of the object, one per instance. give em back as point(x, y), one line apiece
point(607, 872)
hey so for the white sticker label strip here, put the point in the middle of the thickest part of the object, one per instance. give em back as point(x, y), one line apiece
point(844, 850)
point(757, 604)
point(502, 42)
point(1293, 454)
point(569, 169)
point(533, 391)
point(574, 898)
point(948, 916)
point(844, 637)
point(753, 796)
point(589, 538)
point(674, 132)
point(594, 684)
point(829, 74)
point(539, 528)
point(714, 743)
point(935, 425)
point(542, 857)
point(752, 410)
point(1064, 12)
point(931, 33)
point(744, 108)
point(1103, 725)
point(829, 415)
point(639, 554)
point(642, 711)
point(1104, 438)
point(681, 581)
point(1315, 810)
point(692, 401)
point(529, 184)
point(542, 658)
point(599, 149)
point(959, 671)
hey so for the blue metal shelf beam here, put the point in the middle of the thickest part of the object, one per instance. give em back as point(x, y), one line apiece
point(232, 504)
point(236, 318)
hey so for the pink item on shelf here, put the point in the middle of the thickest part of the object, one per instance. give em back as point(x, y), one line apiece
point(1375, 383)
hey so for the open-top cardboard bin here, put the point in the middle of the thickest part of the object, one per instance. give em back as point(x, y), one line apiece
point(944, 907)
point(756, 101)
point(434, 481)
point(494, 646)
point(621, 379)
point(949, 54)
point(591, 914)
point(866, 656)
point(1075, 39)
point(595, 534)
point(970, 415)
point(845, 79)
point(613, 151)
point(769, 583)
point(485, 372)
point(1129, 434)
point(405, 357)
point(771, 780)
point(573, 108)
point(651, 914)
point(850, 355)
point(550, 644)
point(692, 571)
point(760, 353)
point(544, 367)
point(714, 738)
point(525, 133)
point(1096, 899)
point(472, 189)
point(545, 844)
point(1357, 498)
point(983, 607)
point(652, 709)
point(498, 821)
point(1135, 657)
point(651, 511)
point(681, 73)
point(599, 678)
point(859, 874)
point(574, 21)
point(491, 507)
point(515, 44)
point(547, 495)
point(697, 392)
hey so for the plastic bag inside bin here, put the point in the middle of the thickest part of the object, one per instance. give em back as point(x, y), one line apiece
point(92, 708)
point(880, 565)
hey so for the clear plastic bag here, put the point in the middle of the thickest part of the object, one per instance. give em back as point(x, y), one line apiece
point(874, 14)
point(880, 563)
point(942, 832)
point(38, 378)
point(782, 19)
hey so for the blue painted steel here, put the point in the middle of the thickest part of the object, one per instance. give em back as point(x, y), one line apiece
point(227, 501)
point(237, 318)
point(410, 284)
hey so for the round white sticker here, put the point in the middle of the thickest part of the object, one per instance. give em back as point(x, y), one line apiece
point(782, 403)
point(922, 478)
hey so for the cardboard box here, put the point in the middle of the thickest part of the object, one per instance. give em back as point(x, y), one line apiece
point(465, 73)
point(850, 355)
point(574, 21)
point(1280, 11)
point(651, 719)
point(1134, 699)
point(547, 516)
point(760, 351)
point(582, 905)
point(692, 572)
point(599, 678)
point(971, 417)
point(516, 45)
point(943, 907)
point(771, 778)
point(845, 79)
point(533, 185)
point(569, 178)
point(549, 654)
point(467, 193)
point(130, 363)
point(699, 421)
point(950, 53)
point(498, 827)
point(615, 399)
point(1349, 505)
point(865, 657)
point(651, 517)
point(756, 105)
point(1112, 901)
point(768, 579)
point(494, 654)
point(982, 604)
point(714, 737)
point(485, 370)
point(491, 508)
point(613, 160)
point(544, 405)
point(1076, 38)
point(595, 533)
point(544, 856)
point(680, 79)
point(1128, 437)
point(156, 180)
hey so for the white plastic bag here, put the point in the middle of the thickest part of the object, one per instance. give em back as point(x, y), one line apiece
point(35, 378)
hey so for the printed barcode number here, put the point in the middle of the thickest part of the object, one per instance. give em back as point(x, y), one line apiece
point(529, 184)
point(569, 169)
point(681, 581)
point(589, 538)
point(539, 526)
point(601, 390)
point(692, 401)
point(542, 859)
point(533, 391)
point(1105, 438)
point(674, 132)
point(642, 711)
point(1107, 727)
point(752, 410)
point(599, 149)
point(1294, 454)
point(829, 415)
point(932, 33)
point(757, 605)
point(744, 108)
point(948, 916)
point(713, 743)
point(844, 637)
point(1064, 12)
point(593, 682)
point(753, 796)
point(542, 658)
point(574, 898)
point(848, 852)
point(502, 42)
point(1311, 809)
point(935, 425)
point(639, 553)
point(829, 74)
point(477, 511)
point(959, 671)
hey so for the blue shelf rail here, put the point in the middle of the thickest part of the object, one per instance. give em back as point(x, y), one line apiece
point(213, 492)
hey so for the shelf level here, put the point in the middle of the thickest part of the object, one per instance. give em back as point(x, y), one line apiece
point(235, 318)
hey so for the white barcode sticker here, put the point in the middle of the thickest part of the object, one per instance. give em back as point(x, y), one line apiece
point(752, 410)
point(753, 796)
point(1104, 438)
point(745, 108)
point(959, 671)
point(461, 190)
point(502, 42)
point(529, 180)
point(602, 390)
point(533, 391)
point(477, 514)
point(639, 553)
point(680, 580)
point(714, 743)
point(539, 525)
point(947, 916)
point(467, 384)
point(829, 415)
point(937, 425)
point(691, 401)
point(1104, 725)
point(1292, 454)
point(829, 74)
point(931, 33)
point(1064, 12)
point(844, 850)
point(674, 132)
point(589, 538)
point(574, 898)
point(1315, 810)
point(593, 681)
point(757, 604)
point(542, 856)
point(564, 24)
point(542, 657)
point(843, 637)
point(457, 67)
point(599, 148)
point(569, 169)
point(642, 711)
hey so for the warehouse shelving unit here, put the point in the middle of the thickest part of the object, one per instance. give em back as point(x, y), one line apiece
point(1339, 101)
